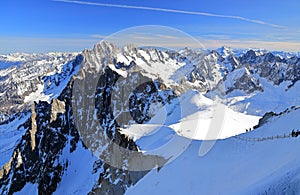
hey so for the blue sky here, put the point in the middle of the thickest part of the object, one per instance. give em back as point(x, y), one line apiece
point(45, 25)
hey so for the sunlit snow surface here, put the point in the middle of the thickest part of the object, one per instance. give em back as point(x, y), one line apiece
point(273, 99)
point(38, 95)
point(234, 166)
point(191, 117)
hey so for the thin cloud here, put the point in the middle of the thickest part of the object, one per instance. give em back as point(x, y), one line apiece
point(174, 11)
point(97, 36)
point(217, 36)
point(166, 36)
point(246, 44)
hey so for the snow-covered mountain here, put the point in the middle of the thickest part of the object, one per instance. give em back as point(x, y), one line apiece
point(25, 78)
point(145, 98)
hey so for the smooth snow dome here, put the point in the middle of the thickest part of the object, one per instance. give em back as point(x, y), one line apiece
point(193, 117)
point(233, 166)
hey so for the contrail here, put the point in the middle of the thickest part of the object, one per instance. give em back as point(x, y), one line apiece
point(173, 11)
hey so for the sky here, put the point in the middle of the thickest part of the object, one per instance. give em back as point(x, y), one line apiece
point(64, 25)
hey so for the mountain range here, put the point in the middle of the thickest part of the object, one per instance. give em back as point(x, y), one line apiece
point(64, 114)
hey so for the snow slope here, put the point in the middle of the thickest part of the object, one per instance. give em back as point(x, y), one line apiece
point(10, 134)
point(79, 178)
point(194, 116)
point(29, 189)
point(234, 166)
point(273, 98)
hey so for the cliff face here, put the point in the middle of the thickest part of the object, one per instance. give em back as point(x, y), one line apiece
point(37, 158)
point(44, 154)
point(41, 157)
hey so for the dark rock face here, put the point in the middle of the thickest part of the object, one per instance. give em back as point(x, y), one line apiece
point(250, 57)
point(244, 81)
point(144, 96)
point(128, 95)
point(270, 115)
point(271, 67)
point(205, 70)
point(117, 102)
point(36, 157)
point(51, 129)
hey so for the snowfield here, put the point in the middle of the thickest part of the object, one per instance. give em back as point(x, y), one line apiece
point(278, 99)
point(234, 166)
point(196, 117)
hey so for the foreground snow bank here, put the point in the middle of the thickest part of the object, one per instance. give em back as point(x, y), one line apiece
point(234, 166)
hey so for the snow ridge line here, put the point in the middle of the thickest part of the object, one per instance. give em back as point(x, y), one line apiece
point(284, 136)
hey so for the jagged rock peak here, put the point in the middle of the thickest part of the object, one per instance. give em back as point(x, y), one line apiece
point(105, 47)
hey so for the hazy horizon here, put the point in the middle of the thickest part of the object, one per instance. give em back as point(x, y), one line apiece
point(66, 26)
